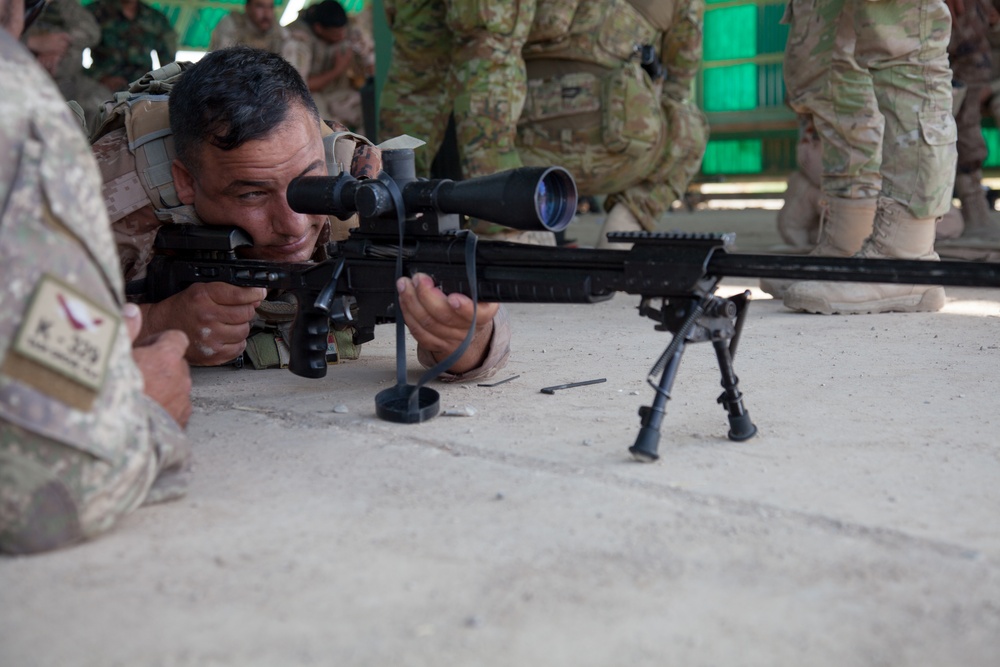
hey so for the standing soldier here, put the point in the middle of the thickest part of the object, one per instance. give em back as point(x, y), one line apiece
point(58, 39)
point(130, 30)
point(851, 64)
point(256, 26)
point(461, 57)
point(609, 98)
point(971, 62)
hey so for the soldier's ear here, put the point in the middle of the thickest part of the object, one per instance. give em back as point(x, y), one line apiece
point(183, 182)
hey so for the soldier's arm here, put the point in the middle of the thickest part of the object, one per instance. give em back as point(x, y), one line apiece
point(681, 51)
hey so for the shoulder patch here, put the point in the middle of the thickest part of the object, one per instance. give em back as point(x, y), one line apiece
point(64, 335)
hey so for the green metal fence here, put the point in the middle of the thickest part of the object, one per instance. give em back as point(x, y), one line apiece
point(742, 90)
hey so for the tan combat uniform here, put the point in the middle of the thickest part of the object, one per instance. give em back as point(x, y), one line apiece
point(81, 445)
point(341, 99)
point(236, 29)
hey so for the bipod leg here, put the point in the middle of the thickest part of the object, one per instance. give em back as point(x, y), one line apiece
point(651, 416)
point(740, 426)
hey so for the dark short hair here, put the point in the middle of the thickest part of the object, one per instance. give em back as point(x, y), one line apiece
point(329, 14)
point(232, 96)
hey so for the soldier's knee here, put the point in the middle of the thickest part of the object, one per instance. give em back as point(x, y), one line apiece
point(37, 511)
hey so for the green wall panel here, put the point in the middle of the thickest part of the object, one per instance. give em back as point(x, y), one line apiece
point(730, 88)
point(730, 33)
point(733, 156)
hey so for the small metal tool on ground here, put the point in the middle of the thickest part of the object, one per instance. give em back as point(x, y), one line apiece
point(495, 384)
point(552, 390)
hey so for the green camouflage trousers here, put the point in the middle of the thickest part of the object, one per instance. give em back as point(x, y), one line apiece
point(874, 75)
point(638, 147)
point(461, 56)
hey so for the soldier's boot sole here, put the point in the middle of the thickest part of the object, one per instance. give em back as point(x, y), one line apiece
point(860, 298)
point(776, 287)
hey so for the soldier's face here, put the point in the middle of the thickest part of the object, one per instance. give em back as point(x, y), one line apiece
point(330, 34)
point(245, 187)
point(261, 14)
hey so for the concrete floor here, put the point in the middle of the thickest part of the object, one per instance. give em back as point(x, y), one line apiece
point(860, 527)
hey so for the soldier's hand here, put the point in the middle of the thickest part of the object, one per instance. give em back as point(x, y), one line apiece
point(165, 372)
point(215, 316)
point(440, 322)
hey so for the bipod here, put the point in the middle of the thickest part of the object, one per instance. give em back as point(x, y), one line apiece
point(691, 320)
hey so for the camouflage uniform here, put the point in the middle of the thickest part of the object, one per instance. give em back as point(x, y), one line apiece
point(592, 109)
point(125, 44)
point(79, 448)
point(461, 57)
point(849, 64)
point(341, 99)
point(70, 17)
point(236, 28)
point(971, 63)
point(131, 184)
point(994, 101)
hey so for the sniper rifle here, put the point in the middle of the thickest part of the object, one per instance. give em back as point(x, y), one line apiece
point(409, 225)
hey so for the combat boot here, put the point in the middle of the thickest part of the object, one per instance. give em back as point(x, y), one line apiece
point(620, 219)
point(896, 235)
point(799, 217)
point(844, 225)
point(980, 221)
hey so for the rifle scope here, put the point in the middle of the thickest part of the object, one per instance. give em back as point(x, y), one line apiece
point(528, 198)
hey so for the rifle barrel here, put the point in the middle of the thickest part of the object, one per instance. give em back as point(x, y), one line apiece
point(855, 269)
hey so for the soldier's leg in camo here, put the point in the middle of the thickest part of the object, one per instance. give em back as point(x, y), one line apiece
point(489, 79)
point(416, 99)
point(903, 44)
point(823, 78)
point(639, 206)
point(798, 219)
point(971, 64)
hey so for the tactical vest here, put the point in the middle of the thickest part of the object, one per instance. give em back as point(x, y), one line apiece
point(142, 176)
point(604, 32)
point(584, 71)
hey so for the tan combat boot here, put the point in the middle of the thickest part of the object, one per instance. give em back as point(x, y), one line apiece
point(620, 219)
point(980, 220)
point(896, 235)
point(844, 226)
point(799, 217)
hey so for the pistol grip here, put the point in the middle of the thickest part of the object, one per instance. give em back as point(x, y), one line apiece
point(310, 332)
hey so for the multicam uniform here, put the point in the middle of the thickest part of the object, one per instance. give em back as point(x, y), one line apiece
point(81, 445)
point(592, 108)
point(341, 99)
point(125, 44)
point(850, 63)
point(874, 76)
point(70, 17)
point(461, 57)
